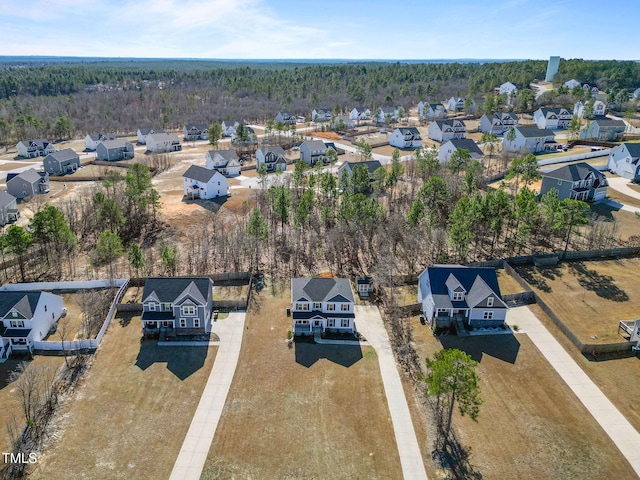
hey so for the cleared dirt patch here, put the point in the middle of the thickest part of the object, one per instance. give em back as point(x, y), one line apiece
point(310, 411)
point(131, 413)
point(507, 283)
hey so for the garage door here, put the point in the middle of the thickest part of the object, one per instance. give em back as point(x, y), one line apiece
point(599, 196)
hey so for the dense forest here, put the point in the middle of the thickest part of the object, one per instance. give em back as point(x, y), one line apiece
point(121, 97)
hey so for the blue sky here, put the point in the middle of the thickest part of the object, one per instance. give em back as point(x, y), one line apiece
point(358, 29)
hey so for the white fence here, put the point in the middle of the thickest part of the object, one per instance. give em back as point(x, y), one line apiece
point(74, 285)
point(573, 158)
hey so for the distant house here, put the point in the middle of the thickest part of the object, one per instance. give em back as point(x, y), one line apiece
point(204, 183)
point(571, 84)
point(604, 129)
point(507, 88)
point(8, 208)
point(636, 93)
point(322, 304)
point(359, 114)
point(364, 286)
point(370, 165)
point(432, 111)
point(28, 183)
point(345, 119)
point(177, 305)
point(321, 115)
point(112, 150)
point(386, 113)
point(250, 137)
point(196, 132)
point(163, 143)
point(285, 118)
point(35, 148)
point(576, 182)
point(598, 109)
point(61, 162)
point(530, 139)
point(449, 293)
point(92, 140)
point(406, 138)
point(26, 317)
point(624, 160)
point(229, 127)
point(443, 130)
point(273, 158)
point(498, 123)
point(450, 146)
point(143, 132)
point(226, 162)
point(314, 151)
point(552, 118)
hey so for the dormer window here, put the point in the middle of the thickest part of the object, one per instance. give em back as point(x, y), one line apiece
point(317, 306)
point(458, 296)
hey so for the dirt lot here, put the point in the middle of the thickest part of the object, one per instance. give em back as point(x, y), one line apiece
point(627, 224)
point(310, 411)
point(507, 283)
point(525, 430)
point(590, 297)
point(132, 411)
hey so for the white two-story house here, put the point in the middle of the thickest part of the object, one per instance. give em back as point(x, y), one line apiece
point(443, 130)
point(552, 118)
point(406, 138)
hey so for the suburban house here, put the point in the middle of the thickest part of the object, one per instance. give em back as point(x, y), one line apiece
point(285, 118)
point(450, 146)
point(624, 160)
point(196, 132)
point(386, 113)
point(370, 165)
point(313, 151)
point(577, 182)
point(35, 148)
point(8, 208)
point(181, 305)
point(636, 93)
point(112, 150)
point(430, 111)
point(321, 115)
point(552, 118)
point(507, 88)
point(364, 286)
point(204, 183)
point(571, 84)
point(406, 137)
point(530, 139)
point(471, 295)
point(229, 127)
point(224, 161)
point(605, 129)
point(92, 140)
point(455, 104)
point(272, 158)
point(163, 143)
point(598, 109)
point(143, 132)
point(498, 123)
point(27, 317)
point(443, 130)
point(345, 119)
point(28, 183)
point(61, 162)
point(322, 304)
point(250, 137)
point(359, 114)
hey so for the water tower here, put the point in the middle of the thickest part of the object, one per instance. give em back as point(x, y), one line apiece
point(552, 68)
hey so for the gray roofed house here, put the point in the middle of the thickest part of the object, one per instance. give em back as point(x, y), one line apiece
point(313, 151)
point(443, 130)
point(28, 183)
point(113, 150)
point(321, 115)
point(92, 140)
point(196, 132)
point(61, 162)
point(576, 182)
point(273, 158)
point(163, 143)
point(204, 183)
point(470, 295)
point(498, 123)
point(624, 160)
point(8, 208)
point(449, 147)
point(603, 129)
point(370, 165)
point(286, 118)
point(177, 305)
point(322, 304)
point(529, 139)
point(143, 132)
point(226, 162)
point(552, 118)
point(406, 138)
point(38, 147)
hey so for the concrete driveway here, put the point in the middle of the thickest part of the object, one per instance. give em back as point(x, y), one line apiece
point(621, 184)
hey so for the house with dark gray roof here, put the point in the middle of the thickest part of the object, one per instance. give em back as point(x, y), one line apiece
point(552, 118)
point(8, 208)
point(370, 165)
point(28, 183)
point(529, 139)
point(92, 140)
point(61, 162)
point(321, 115)
point(452, 293)
point(603, 129)
point(196, 132)
point(163, 143)
point(229, 127)
point(449, 147)
point(273, 158)
point(429, 111)
point(285, 118)
point(25, 318)
point(314, 151)
point(358, 114)
point(443, 130)
point(204, 183)
point(498, 123)
point(406, 138)
point(35, 148)
point(113, 150)
point(624, 160)
point(177, 305)
point(226, 162)
point(143, 132)
point(579, 181)
point(319, 305)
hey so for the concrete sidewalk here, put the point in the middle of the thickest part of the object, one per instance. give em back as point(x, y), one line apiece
point(603, 411)
point(195, 447)
point(369, 323)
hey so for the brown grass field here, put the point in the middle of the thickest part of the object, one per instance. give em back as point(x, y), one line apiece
point(507, 283)
point(131, 412)
point(310, 411)
point(590, 297)
point(531, 425)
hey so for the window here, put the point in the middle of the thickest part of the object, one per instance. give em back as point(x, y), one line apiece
point(331, 307)
point(196, 323)
point(345, 323)
point(559, 182)
point(166, 307)
point(14, 314)
point(45, 308)
point(183, 322)
point(487, 315)
point(18, 341)
point(490, 302)
point(317, 306)
point(17, 323)
point(345, 307)
point(152, 307)
point(331, 322)
point(458, 296)
point(188, 310)
point(302, 306)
